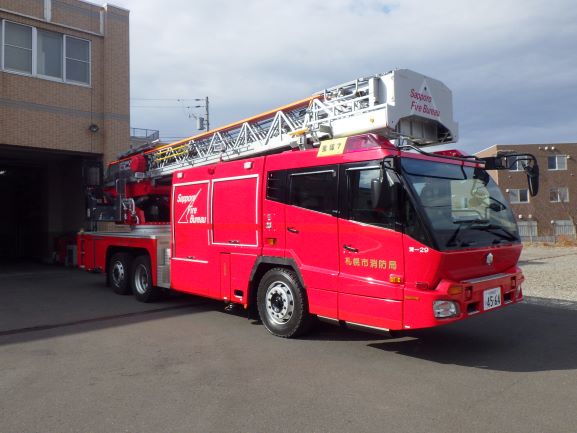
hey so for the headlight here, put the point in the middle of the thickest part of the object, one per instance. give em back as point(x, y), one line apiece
point(444, 309)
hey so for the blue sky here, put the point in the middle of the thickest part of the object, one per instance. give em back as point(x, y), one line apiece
point(511, 64)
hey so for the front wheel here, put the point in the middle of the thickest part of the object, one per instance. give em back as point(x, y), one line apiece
point(282, 304)
point(141, 280)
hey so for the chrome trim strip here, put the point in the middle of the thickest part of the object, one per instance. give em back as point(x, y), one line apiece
point(367, 326)
point(121, 235)
point(331, 319)
point(486, 278)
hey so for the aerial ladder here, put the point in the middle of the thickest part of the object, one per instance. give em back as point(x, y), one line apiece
point(400, 103)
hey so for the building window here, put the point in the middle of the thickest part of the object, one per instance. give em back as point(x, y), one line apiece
point(44, 54)
point(515, 164)
point(77, 60)
point(49, 54)
point(559, 195)
point(518, 195)
point(557, 162)
point(17, 47)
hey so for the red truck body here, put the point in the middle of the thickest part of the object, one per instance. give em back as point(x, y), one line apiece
point(310, 212)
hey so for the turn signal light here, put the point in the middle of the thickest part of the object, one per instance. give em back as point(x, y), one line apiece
point(271, 241)
point(397, 279)
point(455, 290)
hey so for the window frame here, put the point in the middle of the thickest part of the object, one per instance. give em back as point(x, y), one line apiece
point(63, 65)
point(65, 58)
point(34, 50)
point(563, 157)
point(557, 189)
point(519, 201)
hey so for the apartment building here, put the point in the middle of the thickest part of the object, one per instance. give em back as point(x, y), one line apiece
point(553, 212)
point(64, 111)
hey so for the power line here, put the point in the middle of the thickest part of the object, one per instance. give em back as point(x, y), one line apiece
point(158, 106)
point(166, 99)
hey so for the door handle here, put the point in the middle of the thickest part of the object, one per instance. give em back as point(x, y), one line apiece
point(292, 230)
point(190, 257)
point(351, 249)
point(233, 242)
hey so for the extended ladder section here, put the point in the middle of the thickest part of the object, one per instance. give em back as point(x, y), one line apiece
point(400, 103)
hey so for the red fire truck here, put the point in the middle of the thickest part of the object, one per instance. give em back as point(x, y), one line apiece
point(328, 207)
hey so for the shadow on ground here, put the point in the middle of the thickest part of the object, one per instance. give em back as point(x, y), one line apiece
point(523, 338)
point(533, 336)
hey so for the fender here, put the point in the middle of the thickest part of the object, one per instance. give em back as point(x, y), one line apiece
point(282, 261)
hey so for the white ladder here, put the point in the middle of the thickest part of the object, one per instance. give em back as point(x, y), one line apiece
point(364, 105)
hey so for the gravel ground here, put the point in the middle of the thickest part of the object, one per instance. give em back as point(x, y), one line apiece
point(550, 272)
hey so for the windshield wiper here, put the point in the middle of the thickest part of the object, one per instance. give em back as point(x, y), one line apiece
point(507, 234)
point(451, 241)
point(470, 221)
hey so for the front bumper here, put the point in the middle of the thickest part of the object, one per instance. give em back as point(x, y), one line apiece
point(467, 295)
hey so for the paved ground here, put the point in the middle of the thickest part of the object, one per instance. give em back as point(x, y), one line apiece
point(74, 357)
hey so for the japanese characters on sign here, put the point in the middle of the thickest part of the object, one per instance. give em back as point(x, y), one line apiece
point(371, 263)
point(332, 147)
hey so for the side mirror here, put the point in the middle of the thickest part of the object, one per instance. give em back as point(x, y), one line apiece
point(387, 199)
point(506, 160)
point(533, 179)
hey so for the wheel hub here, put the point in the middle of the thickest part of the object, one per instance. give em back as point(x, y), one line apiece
point(141, 279)
point(279, 302)
point(117, 273)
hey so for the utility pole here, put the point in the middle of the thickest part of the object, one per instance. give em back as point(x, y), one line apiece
point(200, 121)
point(207, 118)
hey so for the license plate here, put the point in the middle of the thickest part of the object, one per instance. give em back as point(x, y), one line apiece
point(491, 298)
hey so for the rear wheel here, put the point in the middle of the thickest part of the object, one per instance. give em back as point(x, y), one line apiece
point(118, 273)
point(141, 280)
point(282, 304)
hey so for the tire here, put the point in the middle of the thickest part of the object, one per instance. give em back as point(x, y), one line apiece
point(282, 304)
point(141, 280)
point(118, 273)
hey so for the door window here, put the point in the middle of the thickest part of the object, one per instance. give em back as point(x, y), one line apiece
point(314, 190)
point(363, 204)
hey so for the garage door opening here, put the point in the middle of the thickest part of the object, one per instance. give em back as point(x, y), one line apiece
point(43, 202)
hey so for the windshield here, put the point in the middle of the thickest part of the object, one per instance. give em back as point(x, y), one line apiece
point(463, 205)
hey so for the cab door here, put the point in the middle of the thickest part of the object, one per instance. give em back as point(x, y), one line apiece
point(312, 233)
point(370, 247)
